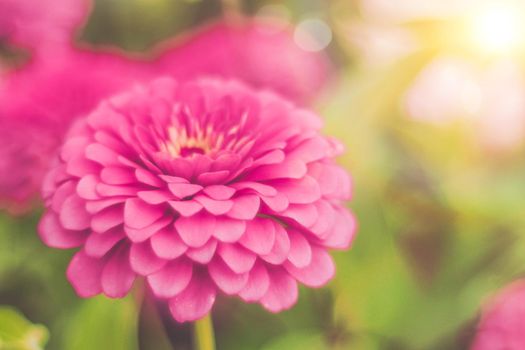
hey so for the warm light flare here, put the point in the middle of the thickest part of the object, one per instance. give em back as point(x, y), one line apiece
point(498, 28)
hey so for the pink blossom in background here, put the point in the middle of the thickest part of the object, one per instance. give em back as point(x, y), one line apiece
point(68, 85)
point(58, 88)
point(25, 150)
point(260, 52)
point(37, 105)
point(502, 325)
point(39, 23)
point(202, 188)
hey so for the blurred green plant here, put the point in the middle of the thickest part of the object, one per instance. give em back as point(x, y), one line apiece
point(17, 333)
point(102, 323)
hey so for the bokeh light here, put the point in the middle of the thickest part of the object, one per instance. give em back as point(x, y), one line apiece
point(313, 35)
point(498, 27)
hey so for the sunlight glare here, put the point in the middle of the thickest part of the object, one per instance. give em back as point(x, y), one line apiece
point(498, 28)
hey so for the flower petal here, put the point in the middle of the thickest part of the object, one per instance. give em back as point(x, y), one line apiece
point(186, 208)
point(147, 178)
point(312, 149)
point(183, 190)
point(94, 206)
point(101, 154)
point(227, 280)
point(277, 203)
point(82, 167)
point(281, 247)
point(204, 254)
point(237, 258)
point(140, 235)
point(73, 214)
point(258, 283)
point(259, 236)
point(282, 292)
point(73, 147)
point(260, 188)
point(117, 275)
point(98, 244)
point(167, 243)
point(343, 231)
point(172, 279)
point(300, 253)
point(195, 301)
point(288, 169)
point(320, 270)
point(155, 196)
point(139, 214)
point(196, 230)
point(213, 206)
point(303, 191)
point(105, 190)
point(326, 220)
point(143, 259)
point(107, 218)
point(304, 214)
point(84, 274)
point(229, 230)
point(55, 236)
point(61, 194)
point(117, 175)
point(219, 192)
point(213, 177)
point(87, 187)
point(173, 179)
point(245, 207)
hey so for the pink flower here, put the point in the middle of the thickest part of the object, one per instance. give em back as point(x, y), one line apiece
point(502, 325)
point(201, 188)
point(35, 24)
point(261, 53)
point(38, 104)
point(22, 164)
point(54, 92)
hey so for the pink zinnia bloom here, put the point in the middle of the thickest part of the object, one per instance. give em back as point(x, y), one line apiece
point(25, 151)
point(38, 23)
point(201, 188)
point(502, 326)
point(53, 92)
point(38, 104)
point(262, 53)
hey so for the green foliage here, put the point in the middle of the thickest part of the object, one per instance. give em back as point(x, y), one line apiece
point(17, 333)
point(102, 323)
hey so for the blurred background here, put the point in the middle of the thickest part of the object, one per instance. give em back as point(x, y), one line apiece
point(428, 97)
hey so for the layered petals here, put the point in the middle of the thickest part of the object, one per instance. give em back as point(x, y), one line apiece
point(201, 188)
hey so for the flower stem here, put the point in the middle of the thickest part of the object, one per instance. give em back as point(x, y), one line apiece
point(203, 336)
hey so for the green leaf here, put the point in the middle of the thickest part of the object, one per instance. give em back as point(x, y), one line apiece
point(17, 333)
point(102, 323)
